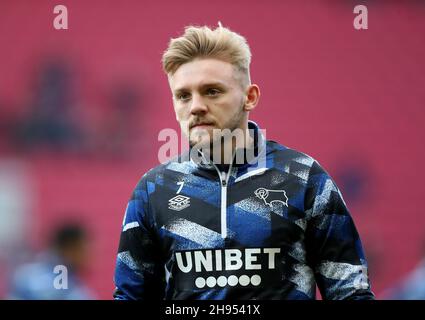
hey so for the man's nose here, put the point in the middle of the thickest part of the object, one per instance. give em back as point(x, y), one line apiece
point(198, 105)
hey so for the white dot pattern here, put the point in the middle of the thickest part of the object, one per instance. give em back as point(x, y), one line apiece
point(222, 281)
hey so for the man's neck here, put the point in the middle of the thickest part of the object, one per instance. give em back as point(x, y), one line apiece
point(224, 151)
point(232, 149)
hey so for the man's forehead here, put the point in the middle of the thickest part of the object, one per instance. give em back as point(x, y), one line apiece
point(203, 72)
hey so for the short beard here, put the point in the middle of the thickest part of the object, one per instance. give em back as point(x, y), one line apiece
point(232, 124)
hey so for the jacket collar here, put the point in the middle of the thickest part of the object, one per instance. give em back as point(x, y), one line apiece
point(252, 154)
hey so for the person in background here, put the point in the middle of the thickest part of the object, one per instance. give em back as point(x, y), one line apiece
point(412, 286)
point(54, 275)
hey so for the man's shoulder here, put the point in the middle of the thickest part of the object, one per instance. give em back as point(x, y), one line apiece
point(294, 162)
point(283, 155)
point(179, 163)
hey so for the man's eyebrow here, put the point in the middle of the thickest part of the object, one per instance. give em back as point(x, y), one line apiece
point(180, 90)
point(202, 86)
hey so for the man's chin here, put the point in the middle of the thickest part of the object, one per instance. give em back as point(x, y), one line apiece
point(199, 138)
point(201, 143)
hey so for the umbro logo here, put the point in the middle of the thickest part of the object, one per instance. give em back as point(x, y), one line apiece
point(178, 203)
point(271, 196)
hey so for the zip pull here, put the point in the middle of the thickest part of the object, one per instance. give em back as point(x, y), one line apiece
point(223, 179)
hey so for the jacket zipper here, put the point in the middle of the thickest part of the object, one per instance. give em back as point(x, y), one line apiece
point(223, 205)
point(224, 182)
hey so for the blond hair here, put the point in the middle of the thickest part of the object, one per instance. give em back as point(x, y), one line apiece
point(203, 42)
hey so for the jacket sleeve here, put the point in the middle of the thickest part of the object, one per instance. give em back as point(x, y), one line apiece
point(333, 245)
point(139, 273)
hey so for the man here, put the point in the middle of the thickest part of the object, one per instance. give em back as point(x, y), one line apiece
point(235, 217)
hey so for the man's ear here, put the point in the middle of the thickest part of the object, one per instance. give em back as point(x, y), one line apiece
point(252, 97)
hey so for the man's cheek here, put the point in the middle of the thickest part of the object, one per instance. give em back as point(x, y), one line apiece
point(184, 126)
point(180, 115)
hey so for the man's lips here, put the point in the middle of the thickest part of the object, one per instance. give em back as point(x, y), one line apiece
point(202, 125)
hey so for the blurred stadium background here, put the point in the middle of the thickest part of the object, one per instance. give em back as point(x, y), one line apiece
point(81, 109)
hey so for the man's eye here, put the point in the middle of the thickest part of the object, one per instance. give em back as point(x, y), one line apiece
point(183, 96)
point(213, 92)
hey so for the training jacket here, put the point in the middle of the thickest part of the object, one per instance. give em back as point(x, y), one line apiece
point(272, 227)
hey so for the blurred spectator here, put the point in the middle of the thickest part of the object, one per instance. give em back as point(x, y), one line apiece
point(412, 287)
point(36, 280)
point(124, 100)
point(51, 123)
point(355, 176)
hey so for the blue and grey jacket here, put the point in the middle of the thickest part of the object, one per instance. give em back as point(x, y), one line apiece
point(271, 228)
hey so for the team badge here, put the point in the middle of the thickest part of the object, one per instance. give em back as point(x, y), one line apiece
point(271, 196)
